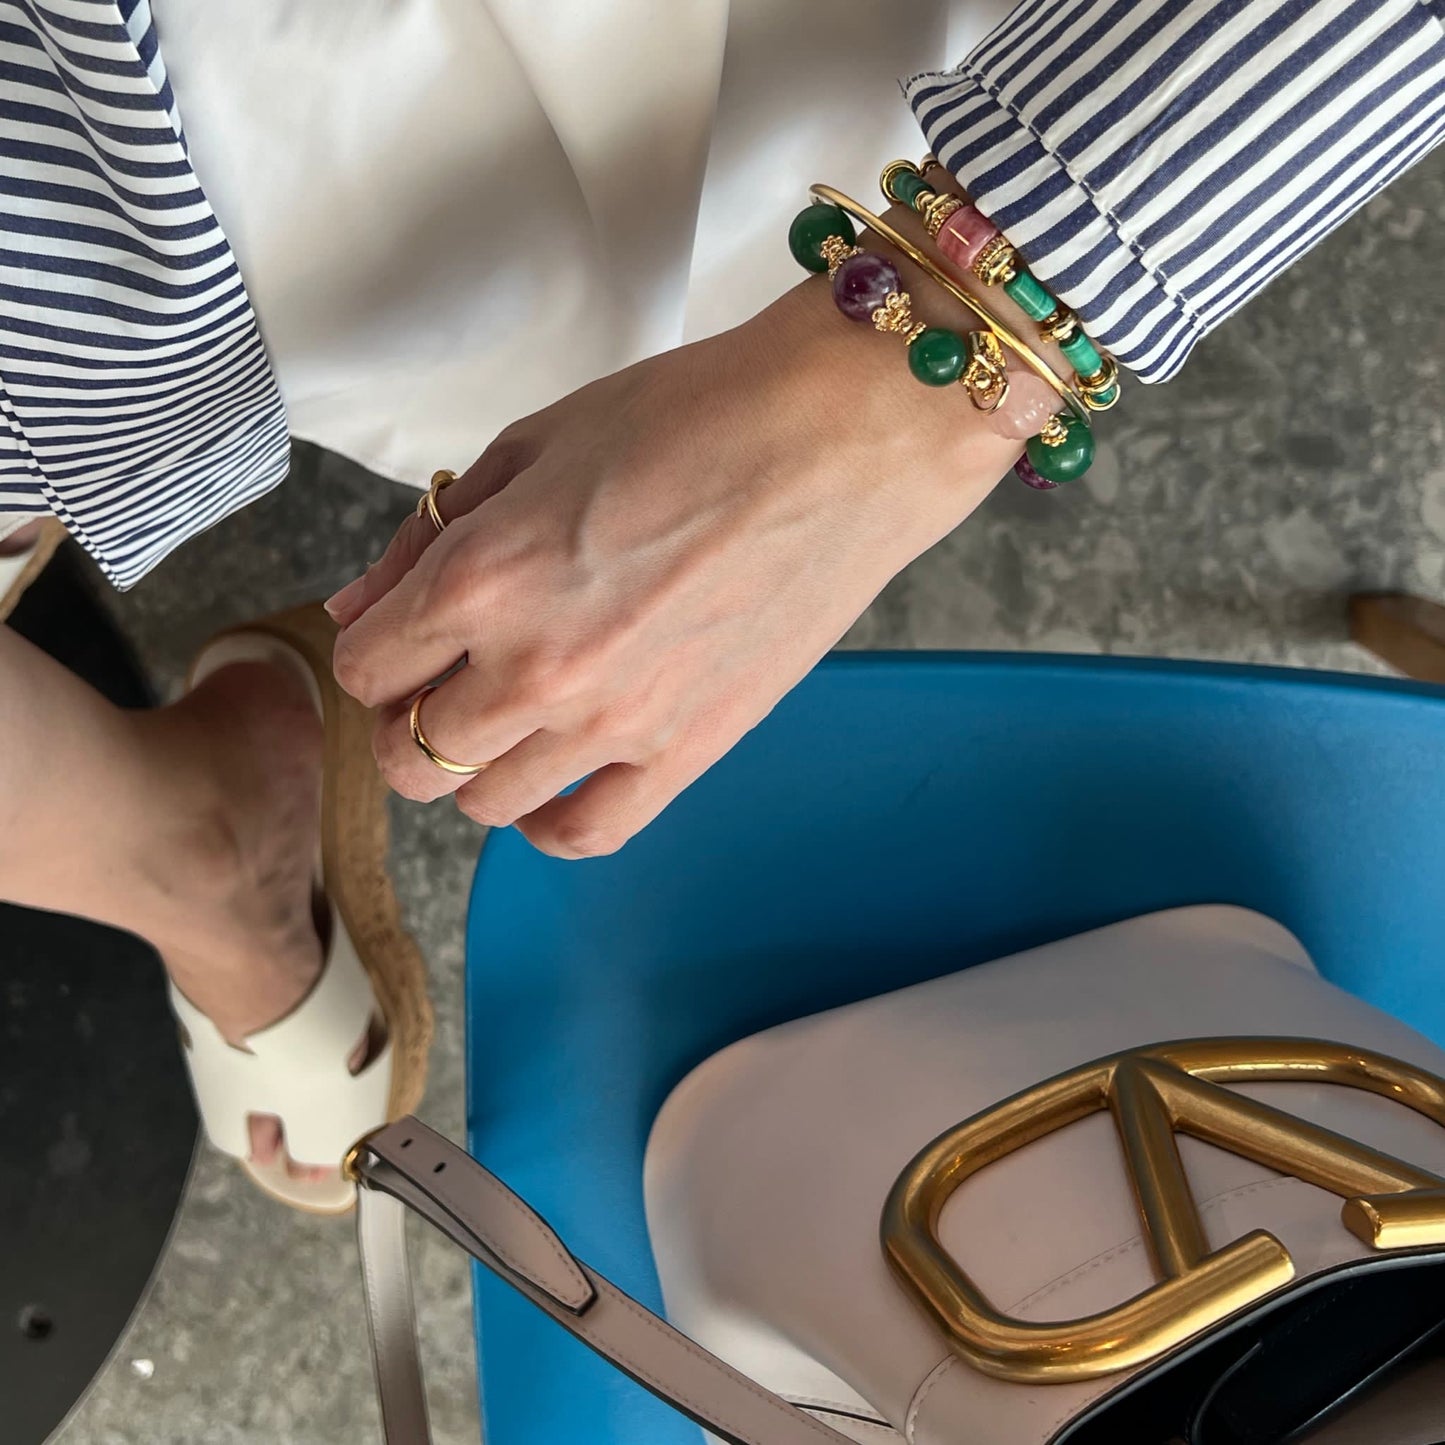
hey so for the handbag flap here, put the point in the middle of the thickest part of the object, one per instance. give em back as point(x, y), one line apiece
point(768, 1166)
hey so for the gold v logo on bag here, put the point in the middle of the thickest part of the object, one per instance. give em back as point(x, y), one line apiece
point(1155, 1094)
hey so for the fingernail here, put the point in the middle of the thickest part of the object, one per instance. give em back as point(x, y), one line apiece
point(341, 603)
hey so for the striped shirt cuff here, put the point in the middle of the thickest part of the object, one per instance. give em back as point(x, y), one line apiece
point(1157, 162)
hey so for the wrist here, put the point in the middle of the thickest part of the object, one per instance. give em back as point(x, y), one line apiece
point(933, 454)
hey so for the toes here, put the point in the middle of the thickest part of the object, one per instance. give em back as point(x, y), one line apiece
point(265, 1138)
point(268, 1136)
point(368, 1046)
point(309, 1173)
point(268, 1142)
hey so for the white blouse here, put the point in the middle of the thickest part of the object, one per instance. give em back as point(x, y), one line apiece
point(451, 213)
point(446, 214)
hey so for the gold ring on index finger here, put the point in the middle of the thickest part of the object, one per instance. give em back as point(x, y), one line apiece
point(427, 507)
point(436, 759)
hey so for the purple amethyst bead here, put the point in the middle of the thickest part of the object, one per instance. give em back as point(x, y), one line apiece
point(1024, 471)
point(863, 283)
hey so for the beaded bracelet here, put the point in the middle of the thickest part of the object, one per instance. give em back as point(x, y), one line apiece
point(867, 286)
point(973, 243)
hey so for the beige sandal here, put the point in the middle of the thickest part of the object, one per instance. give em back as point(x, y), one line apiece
point(19, 569)
point(296, 1069)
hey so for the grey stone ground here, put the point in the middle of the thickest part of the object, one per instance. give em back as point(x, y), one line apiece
point(1301, 456)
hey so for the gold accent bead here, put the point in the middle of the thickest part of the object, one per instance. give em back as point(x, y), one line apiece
point(1061, 325)
point(928, 162)
point(996, 264)
point(835, 250)
point(1054, 433)
point(985, 378)
point(1104, 380)
point(896, 314)
point(919, 327)
point(937, 211)
point(891, 172)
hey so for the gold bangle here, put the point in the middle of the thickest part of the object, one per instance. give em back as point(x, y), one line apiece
point(998, 262)
point(833, 197)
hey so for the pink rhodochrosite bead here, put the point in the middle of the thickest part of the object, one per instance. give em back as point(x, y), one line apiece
point(1030, 402)
point(964, 234)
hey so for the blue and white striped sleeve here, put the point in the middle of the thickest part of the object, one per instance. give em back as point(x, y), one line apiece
point(1157, 162)
point(137, 403)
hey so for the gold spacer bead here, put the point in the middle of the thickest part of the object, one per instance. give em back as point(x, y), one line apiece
point(1105, 379)
point(835, 250)
point(937, 211)
point(1060, 325)
point(1054, 433)
point(895, 314)
point(927, 162)
point(919, 327)
point(996, 264)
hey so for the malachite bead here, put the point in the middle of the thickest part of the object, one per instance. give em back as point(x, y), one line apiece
point(811, 227)
point(1067, 461)
point(938, 357)
point(1082, 354)
point(1107, 398)
point(1026, 292)
point(907, 186)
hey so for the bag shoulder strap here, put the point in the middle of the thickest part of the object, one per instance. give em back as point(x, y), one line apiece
point(409, 1166)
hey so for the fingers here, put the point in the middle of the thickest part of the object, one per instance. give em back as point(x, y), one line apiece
point(403, 552)
point(509, 454)
point(468, 720)
point(531, 776)
point(399, 646)
point(629, 777)
point(611, 806)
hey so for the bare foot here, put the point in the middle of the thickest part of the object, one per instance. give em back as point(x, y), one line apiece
point(250, 947)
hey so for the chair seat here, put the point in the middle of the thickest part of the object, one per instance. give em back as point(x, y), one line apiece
point(900, 816)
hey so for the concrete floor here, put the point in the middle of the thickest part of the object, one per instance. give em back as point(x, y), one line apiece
point(1300, 457)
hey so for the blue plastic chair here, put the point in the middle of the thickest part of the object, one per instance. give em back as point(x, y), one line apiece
point(898, 817)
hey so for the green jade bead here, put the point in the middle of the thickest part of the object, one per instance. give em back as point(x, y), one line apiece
point(1082, 354)
point(1032, 297)
point(811, 227)
point(938, 357)
point(907, 186)
point(1067, 461)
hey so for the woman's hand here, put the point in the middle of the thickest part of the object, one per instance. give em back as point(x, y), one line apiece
point(636, 575)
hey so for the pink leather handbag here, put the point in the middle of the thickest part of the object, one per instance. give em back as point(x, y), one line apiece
point(1157, 1185)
